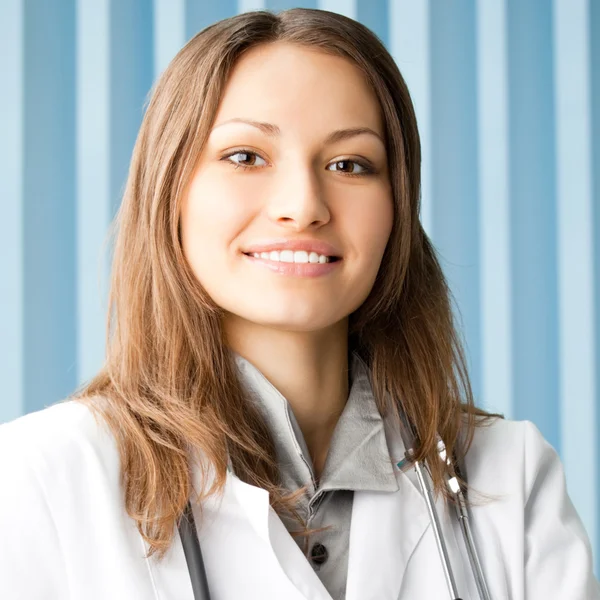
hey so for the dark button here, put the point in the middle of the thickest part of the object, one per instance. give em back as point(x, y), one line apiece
point(319, 554)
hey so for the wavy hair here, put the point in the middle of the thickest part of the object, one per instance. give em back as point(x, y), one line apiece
point(168, 383)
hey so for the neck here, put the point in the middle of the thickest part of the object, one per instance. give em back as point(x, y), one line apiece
point(310, 369)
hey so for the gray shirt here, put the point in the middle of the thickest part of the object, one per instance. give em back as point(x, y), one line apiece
point(358, 459)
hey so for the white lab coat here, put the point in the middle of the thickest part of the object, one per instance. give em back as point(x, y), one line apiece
point(64, 533)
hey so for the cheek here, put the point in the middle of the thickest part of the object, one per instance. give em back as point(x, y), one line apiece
point(211, 205)
point(369, 227)
point(211, 218)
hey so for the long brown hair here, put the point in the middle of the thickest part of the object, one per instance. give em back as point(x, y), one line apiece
point(168, 383)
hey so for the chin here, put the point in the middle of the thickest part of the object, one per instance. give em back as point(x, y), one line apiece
point(297, 323)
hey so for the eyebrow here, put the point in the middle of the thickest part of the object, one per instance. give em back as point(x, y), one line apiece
point(335, 136)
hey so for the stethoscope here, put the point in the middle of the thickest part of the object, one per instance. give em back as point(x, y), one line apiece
point(195, 563)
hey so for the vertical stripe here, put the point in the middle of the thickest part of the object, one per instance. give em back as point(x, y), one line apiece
point(575, 255)
point(49, 203)
point(594, 63)
point(409, 45)
point(250, 5)
point(115, 71)
point(374, 14)
point(132, 72)
point(533, 220)
point(169, 32)
point(277, 5)
point(199, 15)
point(11, 201)
point(342, 7)
point(455, 223)
point(93, 181)
point(496, 320)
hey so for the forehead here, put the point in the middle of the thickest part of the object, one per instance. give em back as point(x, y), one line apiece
point(291, 84)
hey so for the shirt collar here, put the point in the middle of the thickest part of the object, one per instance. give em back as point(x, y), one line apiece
point(358, 457)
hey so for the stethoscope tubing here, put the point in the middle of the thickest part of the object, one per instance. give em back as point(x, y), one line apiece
point(462, 512)
point(465, 526)
point(437, 530)
point(193, 554)
point(408, 437)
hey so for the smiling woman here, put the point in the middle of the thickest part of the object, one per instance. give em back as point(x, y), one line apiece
point(301, 130)
point(281, 351)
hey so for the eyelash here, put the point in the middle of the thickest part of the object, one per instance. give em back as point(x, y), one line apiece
point(368, 169)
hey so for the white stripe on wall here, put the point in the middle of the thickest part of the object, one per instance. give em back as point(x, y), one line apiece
point(11, 200)
point(342, 7)
point(575, 256)
point(409, 45)
point(169, 32)
point(492, 103)
point(93, 181)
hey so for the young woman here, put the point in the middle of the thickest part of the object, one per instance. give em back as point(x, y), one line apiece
point(279, 325)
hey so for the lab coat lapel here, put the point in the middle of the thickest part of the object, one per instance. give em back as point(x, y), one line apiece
point(284, 550)
point(384, 532)
point(390, 530)
point(290, 573)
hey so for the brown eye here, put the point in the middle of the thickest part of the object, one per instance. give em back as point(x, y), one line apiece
point(247, 158)
point(351, 167)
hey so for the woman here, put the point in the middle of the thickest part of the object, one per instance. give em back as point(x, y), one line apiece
point(276, 308)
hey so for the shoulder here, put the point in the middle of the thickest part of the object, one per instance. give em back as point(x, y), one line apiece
point(60, 417)
point(59, 440)
point(509, 452)
point(56, 467)
point(55, 427)
point(536, 519)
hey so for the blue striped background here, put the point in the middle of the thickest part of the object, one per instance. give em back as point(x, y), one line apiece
point(507, 94)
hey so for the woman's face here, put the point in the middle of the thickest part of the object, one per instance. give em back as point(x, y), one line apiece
point(284, 180)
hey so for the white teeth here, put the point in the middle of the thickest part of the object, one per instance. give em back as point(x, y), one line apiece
point(289, 256)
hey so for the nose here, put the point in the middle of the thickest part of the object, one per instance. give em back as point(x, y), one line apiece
point(298, 200)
